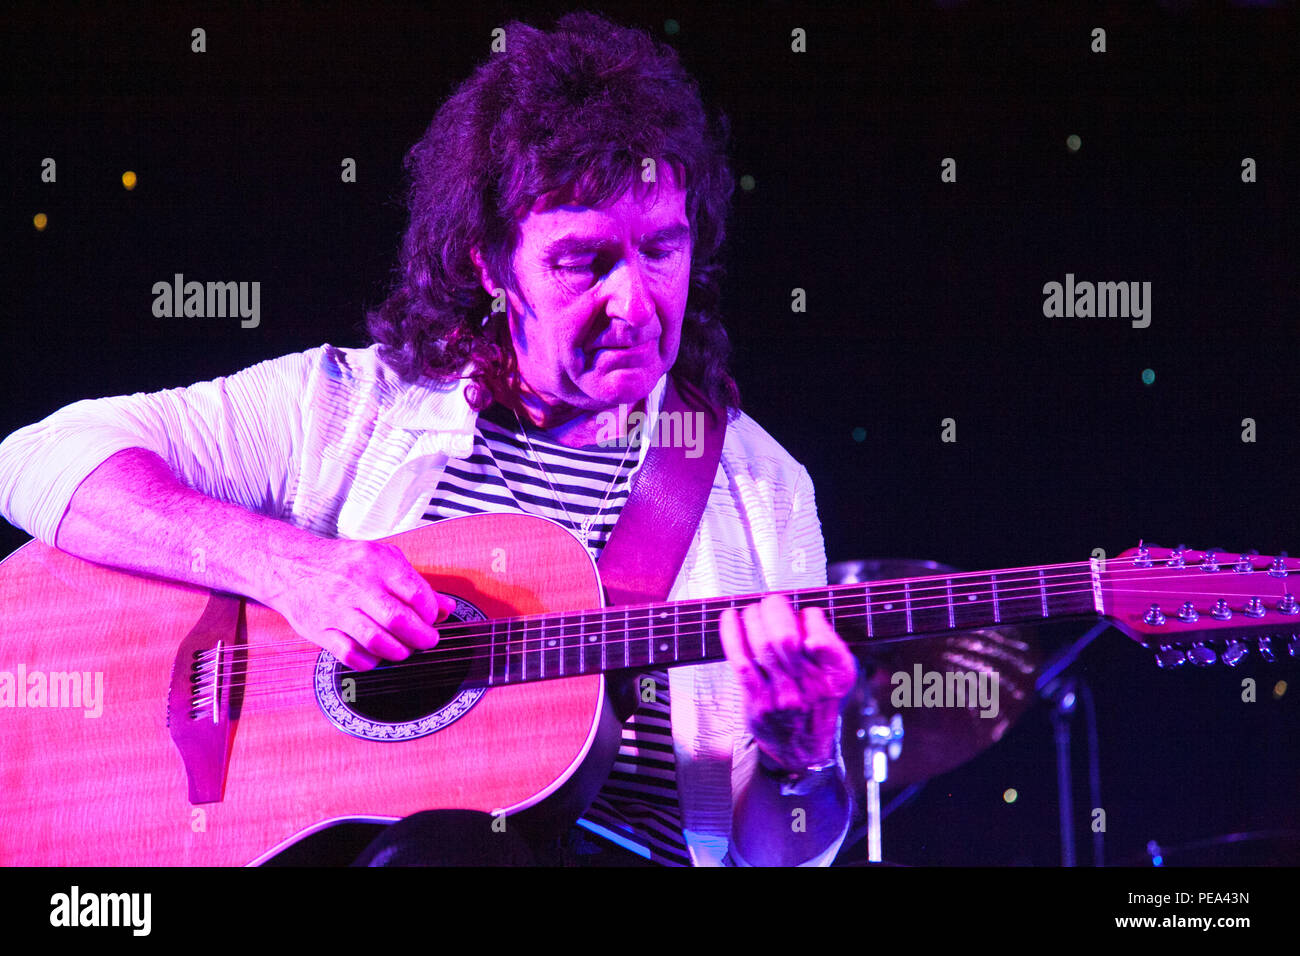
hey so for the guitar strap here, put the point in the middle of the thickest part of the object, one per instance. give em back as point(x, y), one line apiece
point(655, 528)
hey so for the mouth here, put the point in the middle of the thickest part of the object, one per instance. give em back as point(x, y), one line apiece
point(621, 349)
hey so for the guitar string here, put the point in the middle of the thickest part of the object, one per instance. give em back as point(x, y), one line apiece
point(403, 678)
point(754, 597)
point(435, 672)
point(652, 612)
point(450, 666)
point(693, 614)
point(690, 619)
point(445, 664)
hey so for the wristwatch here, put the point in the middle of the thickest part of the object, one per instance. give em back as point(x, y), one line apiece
point(798, 783)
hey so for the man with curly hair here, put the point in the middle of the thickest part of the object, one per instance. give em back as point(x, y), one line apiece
point(567, 208)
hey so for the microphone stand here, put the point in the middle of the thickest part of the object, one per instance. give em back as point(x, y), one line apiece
point(881, 743)
point(1063, 693)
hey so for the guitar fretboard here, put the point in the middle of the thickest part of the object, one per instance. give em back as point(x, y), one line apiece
point(573, 644)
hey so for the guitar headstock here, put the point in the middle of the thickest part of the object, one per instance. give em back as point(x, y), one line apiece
point(1204, 606)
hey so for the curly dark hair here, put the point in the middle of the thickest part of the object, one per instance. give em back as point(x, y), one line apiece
point(559, 116)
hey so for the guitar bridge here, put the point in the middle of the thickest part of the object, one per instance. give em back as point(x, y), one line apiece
point(203, 702)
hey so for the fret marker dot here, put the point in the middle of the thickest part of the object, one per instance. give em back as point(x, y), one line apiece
point(663, 647)
point(662, 615)
point(551, 642)
point(592, 639)
point(889, 607)
point(970, 597)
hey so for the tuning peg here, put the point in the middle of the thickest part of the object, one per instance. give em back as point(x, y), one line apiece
point(1234, 653)
point(1211, 561)
point(1154, 616)
point(1265, 647)
point(1176, 557)
point(1278, 568)
point(1254, 608)
point(1293, 646)
point(1187, 613)
point(1170, 657)
point(1221, 611)
point(1288, 604)
point(1243, 564)
point(1143, 557)
point(1201, 656)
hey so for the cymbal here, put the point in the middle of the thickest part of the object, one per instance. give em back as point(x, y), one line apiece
point(938, 733)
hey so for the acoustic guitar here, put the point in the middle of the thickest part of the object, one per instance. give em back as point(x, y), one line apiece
point(145, 722)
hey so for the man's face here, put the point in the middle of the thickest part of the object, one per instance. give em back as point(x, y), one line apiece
point(607, 290)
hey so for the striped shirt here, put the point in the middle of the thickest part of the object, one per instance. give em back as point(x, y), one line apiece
point(501, 473)
point(334, 441)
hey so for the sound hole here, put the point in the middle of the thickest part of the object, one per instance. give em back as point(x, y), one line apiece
point(406, 690)
point(410, 698)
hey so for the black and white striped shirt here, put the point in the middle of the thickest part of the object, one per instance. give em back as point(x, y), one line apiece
point(638, 805)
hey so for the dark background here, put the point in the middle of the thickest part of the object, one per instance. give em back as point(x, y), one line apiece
point(924, 298)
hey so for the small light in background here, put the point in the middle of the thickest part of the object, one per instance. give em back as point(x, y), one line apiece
point(1156, 854)
point(1279, 689)
point(1009, 795)
point(1148, 376)
point(40, 221)
point(672, 27)
point(128, 179)
point(1073, 142)
point(747, 183)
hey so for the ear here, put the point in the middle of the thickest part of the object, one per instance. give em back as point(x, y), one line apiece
point(484, 277)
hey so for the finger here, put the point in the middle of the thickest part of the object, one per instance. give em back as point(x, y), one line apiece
point(782, 623)
point(769, 642)
point(733, 645)
point(831, 657)
point(346, 650)
point(412, 588)
point(373, 637)
point(402, 622)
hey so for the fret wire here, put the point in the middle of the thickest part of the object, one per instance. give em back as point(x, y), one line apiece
point(704, 642)
point(523, 654)
point(907, 605)
point(582, 644)
point(677, 651)
point(997, 608)
point(539, 650)
point(492, 653)
point(1042, 589)
point(952, 616)
point(627, 639)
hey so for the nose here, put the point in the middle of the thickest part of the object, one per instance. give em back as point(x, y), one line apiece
point(628, 294)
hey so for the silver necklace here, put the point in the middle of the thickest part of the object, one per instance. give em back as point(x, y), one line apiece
point(583, 527)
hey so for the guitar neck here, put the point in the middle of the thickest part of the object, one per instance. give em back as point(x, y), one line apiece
point(550, 646)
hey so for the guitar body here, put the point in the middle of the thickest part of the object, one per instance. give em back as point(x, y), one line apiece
point(114, 788)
